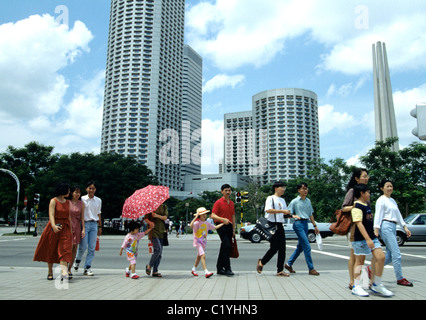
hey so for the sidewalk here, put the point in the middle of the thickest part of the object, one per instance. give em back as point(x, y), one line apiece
point(108, 284)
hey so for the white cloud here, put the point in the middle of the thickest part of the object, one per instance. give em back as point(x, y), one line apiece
point(221, 81)
point(33, 52)
point(234, 33)
point(212, 145)
point(331, 120)
point(84, 112)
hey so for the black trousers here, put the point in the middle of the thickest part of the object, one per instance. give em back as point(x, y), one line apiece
point(223, 259)
point(277, 244)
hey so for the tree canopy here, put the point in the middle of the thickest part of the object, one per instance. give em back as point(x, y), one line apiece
point(117, 177)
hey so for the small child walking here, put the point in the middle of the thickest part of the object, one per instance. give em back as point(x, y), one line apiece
point(200, 229)
point(130, 243)
point(365, 242)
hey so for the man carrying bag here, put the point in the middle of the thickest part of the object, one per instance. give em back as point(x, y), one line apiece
point(276, 211)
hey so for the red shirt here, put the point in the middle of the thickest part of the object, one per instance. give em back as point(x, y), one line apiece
point(224, 209)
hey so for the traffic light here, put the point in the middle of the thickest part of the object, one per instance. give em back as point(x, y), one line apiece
point(238, 197)
point(36, 198)
point(420, 114)
point(244, 197)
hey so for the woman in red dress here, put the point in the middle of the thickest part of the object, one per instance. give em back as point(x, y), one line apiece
point(55, 244)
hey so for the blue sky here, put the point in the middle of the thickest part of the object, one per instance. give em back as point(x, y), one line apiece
point(52, 74)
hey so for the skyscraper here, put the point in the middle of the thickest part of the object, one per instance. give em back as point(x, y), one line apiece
point(385, 122)
point(192, 101)
point(143, 85)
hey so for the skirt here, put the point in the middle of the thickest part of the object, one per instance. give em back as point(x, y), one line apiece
point(55, 247)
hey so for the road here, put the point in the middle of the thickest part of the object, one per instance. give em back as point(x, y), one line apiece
point(18, 251)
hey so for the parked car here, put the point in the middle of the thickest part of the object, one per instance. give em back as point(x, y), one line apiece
point(247, 232)
point(416, 223)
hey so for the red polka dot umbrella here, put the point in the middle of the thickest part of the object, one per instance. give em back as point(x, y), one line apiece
point(144, 201)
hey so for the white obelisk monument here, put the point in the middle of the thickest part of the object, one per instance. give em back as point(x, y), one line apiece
point(383, 99)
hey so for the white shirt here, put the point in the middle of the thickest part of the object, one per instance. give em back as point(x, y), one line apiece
point(387, 209)
point(277, 203)
point(92, 207)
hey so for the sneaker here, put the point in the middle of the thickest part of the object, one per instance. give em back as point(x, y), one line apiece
point(127, 273)
point(380, 289)
point(195, 274)
point(88, 272)
point(135, 276)
point(209, 274)
point(359, 291)
point(75, 266)
point(404, 282)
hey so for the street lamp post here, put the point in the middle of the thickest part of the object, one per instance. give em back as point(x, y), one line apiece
point(17, 199)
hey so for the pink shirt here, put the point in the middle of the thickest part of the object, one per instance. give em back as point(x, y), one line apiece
point(200, 230)
point(131, 242)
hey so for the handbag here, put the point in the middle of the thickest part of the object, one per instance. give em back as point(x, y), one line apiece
point(265, 228)
point(234, 249)
point(342, 224)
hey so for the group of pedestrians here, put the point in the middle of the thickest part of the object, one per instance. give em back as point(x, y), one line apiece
point(73, 228)
point(75, 223)
point(365, 230)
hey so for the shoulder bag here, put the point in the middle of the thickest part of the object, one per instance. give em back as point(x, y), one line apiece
point(265, 228)
point(342, 224)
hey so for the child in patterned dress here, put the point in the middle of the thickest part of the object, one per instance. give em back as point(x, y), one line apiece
point(201, 228)
point(130, 243)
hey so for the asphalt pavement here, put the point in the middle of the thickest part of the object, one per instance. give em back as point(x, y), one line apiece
point(179, 288)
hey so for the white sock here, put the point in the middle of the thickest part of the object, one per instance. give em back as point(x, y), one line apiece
point(357, 282)
point(206, 271)
point(377, 280)
point(194, 269)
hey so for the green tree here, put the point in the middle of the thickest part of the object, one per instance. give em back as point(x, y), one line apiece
point(28, 163)
point(116, 178)
point(406, 168)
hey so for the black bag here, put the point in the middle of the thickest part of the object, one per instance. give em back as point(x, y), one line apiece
point(265, 228)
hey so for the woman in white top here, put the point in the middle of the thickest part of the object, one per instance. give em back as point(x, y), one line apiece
point(386, 218)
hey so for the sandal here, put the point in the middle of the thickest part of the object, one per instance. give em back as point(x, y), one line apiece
point(148, 269)
point(157, 274)
point(283, 274)
point(259, 266)
point(50, 277)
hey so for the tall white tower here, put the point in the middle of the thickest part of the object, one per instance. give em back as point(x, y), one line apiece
point(384, 110)
point(143, 85)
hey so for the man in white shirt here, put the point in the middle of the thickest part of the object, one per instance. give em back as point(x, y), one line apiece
point(93, 226)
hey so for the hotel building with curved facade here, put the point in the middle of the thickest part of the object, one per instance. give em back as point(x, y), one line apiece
point(276, 139)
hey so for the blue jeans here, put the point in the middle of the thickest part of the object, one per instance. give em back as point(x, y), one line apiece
point(393, 254)
point(88, 242)
point(155, 260)
point(301, 229)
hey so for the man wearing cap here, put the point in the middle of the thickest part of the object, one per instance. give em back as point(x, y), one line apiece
point(223, 212)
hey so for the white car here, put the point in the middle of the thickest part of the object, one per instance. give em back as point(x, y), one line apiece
point(248, 233)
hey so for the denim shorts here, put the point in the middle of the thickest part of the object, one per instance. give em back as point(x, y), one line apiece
point(361, 248)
